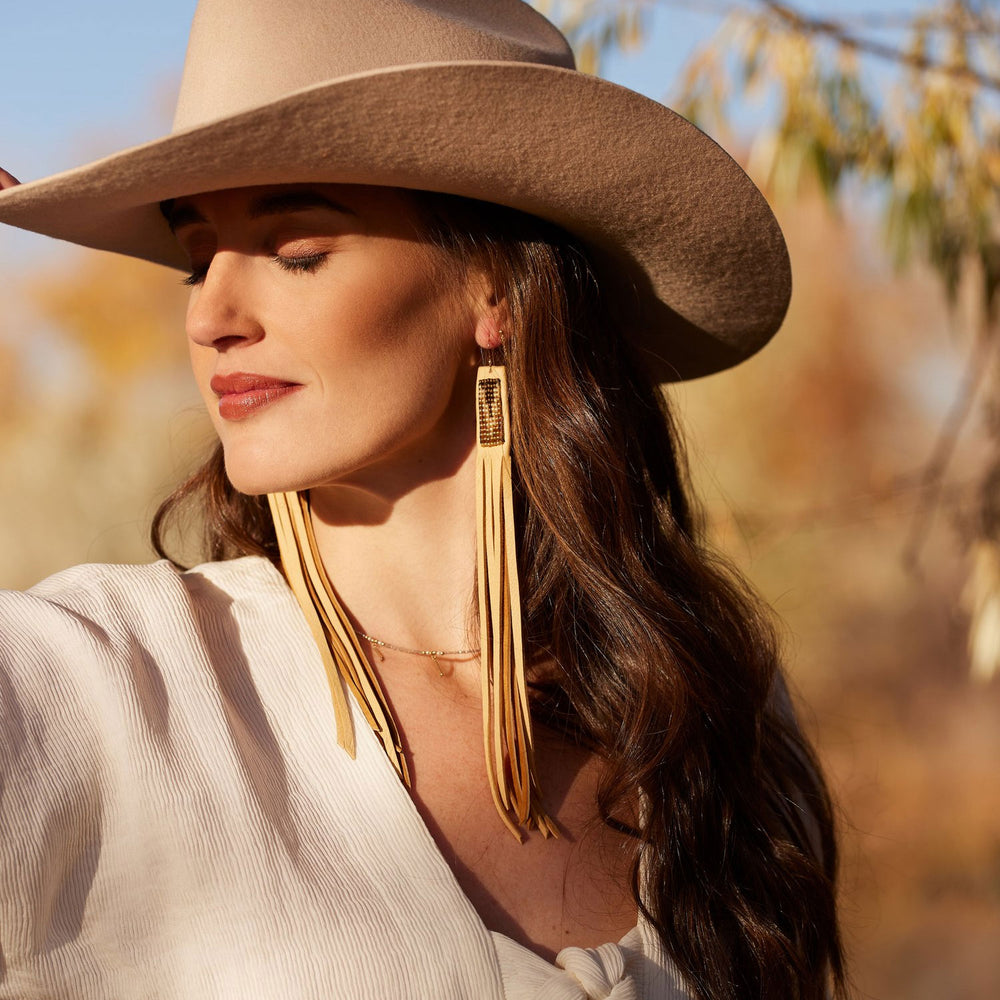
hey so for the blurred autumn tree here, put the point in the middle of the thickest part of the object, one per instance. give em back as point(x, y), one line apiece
point(905, 104)
point(99, 415)
point(125, 315)
point(843, 458)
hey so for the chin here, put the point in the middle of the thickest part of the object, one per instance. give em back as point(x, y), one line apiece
point(257, 479)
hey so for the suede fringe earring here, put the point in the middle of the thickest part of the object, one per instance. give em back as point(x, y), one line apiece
point(506, 715)
point(332, 630)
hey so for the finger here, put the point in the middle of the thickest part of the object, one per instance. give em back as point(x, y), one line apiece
point(7, 180)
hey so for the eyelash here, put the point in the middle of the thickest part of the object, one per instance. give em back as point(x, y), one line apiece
point(305, 264)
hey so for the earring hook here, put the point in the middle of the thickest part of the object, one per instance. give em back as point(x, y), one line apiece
point(492, 356)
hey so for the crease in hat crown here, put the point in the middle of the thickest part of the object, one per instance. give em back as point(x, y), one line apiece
point(281, 48)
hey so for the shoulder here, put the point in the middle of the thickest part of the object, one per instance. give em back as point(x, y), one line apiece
point(101, 605)
point(101, 664)
point(111, 592)
point(91, 633)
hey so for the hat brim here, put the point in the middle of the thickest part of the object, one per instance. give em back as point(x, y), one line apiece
point(687, 247)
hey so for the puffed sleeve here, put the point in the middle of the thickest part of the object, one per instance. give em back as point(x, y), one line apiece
point(50, 787)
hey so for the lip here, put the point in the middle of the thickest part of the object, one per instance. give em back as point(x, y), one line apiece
point(242, 394)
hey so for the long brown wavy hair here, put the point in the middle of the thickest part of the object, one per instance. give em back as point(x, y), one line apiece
point(660, 658)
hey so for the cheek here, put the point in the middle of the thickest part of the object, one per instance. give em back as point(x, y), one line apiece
point(392, 325)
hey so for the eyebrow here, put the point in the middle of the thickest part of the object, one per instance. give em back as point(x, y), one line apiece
point(267, 204)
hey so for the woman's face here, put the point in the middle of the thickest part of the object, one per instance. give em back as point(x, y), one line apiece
point(331, 342)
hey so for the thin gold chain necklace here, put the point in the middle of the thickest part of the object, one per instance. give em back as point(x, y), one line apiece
point(381, 644)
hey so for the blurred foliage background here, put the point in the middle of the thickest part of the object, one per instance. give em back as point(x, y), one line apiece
point(851, 469)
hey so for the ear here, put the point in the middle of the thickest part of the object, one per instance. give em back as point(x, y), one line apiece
point(492, 320)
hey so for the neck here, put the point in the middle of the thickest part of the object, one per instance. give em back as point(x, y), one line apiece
point(403, 562)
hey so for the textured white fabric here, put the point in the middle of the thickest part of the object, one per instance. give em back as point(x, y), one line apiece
point(177, 820)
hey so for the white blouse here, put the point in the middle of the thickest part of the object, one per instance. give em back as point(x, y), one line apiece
point(177, 820)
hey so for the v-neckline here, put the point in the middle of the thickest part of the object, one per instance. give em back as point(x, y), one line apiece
point(363, 732)
point(365, 735)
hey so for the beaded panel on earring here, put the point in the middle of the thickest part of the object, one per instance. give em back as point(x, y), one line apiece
point(490, 413)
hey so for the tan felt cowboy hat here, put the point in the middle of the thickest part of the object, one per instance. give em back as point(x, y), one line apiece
point(471, 98)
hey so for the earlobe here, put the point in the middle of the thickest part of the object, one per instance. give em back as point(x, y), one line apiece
point(492, 324)
point(489, 334)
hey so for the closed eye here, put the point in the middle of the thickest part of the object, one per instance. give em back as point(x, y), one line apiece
point(302, 263)
point(299, 264)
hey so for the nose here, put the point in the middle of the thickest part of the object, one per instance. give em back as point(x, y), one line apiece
point(220, 312)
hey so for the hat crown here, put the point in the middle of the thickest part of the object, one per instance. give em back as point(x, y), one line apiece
point(246, 53)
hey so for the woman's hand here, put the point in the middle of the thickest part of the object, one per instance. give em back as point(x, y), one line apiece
point(7, 180)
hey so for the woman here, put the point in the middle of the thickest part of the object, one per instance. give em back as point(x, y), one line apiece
point(373, 200)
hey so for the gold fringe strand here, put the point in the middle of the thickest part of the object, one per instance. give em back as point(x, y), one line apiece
point(506, 716)
point(332, 629)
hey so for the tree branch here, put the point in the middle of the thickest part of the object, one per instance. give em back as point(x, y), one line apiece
point(932, 476)
point(836, 30)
